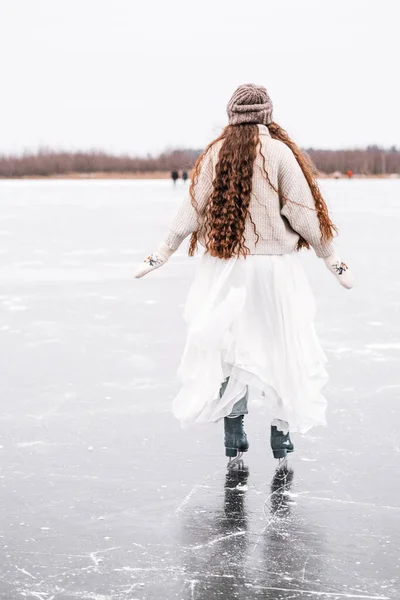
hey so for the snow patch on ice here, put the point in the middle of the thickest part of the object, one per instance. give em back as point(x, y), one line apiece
point(29, 444)
point(339, 350)
point(393, 386)
point(14, 307)
point(390, 346)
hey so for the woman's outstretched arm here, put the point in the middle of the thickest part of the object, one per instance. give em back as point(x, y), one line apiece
point(186, 221)
point(300, 210)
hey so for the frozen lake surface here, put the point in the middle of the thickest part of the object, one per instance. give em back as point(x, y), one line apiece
point(103, 496)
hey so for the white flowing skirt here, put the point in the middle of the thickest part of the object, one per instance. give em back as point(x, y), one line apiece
point(252, 320)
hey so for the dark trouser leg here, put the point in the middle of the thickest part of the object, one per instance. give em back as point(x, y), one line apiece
point(240, 407)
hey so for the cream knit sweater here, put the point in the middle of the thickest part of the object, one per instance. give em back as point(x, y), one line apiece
point(278, 226)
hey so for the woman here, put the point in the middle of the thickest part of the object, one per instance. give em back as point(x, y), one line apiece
point(254, 201)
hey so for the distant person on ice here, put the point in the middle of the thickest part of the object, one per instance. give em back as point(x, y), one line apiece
point(253, 202)
point(184, 176)
point(174, 176)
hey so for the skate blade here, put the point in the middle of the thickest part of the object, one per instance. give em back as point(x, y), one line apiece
point(237, 462)
point(283, 463)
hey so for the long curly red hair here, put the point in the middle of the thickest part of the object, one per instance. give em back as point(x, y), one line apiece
point(228, 206)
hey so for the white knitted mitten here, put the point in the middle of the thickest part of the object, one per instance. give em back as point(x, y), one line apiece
point(340, 270)
point(155, 260)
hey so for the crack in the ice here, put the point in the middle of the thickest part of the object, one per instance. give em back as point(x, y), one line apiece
point(187, 497)
point(218, 539)
point(314, 593)
point(192, 586)
point(41, 595)
point(25, 572)
point(339, 501)
point(97, 561)
point(194, 489)
point(271, 520)
point(304, 569)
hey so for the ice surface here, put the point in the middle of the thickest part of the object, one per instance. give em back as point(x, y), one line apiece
point(103, 496)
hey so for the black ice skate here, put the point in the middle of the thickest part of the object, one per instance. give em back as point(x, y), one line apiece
point(235, 437)
point(281, 443)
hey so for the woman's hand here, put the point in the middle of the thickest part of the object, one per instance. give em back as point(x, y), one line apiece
point(155, 260)
point(340, 270)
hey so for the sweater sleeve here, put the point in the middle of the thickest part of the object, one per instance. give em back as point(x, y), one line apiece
point(299, 205)
point(187, 220)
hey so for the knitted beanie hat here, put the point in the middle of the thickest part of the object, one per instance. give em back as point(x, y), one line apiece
point(250, 104)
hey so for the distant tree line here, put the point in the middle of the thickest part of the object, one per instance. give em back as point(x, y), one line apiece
point(372, 160)
point(47, 162)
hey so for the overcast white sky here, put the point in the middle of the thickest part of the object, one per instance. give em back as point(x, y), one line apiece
point(123, 75)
